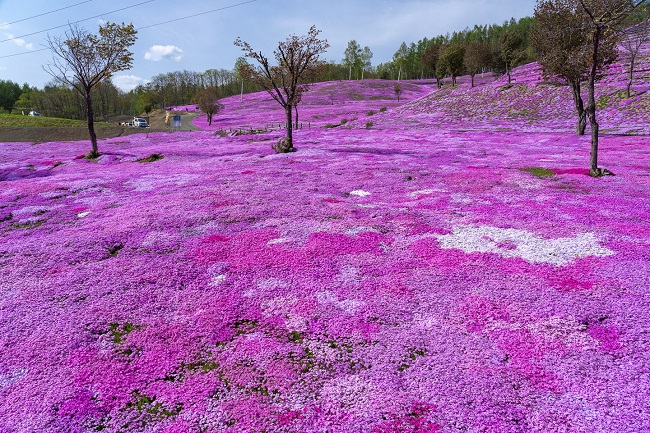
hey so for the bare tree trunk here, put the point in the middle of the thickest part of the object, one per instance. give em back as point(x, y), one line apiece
point(241, 100)
point(289, 133)
point(631, 77)
point(580, 108)
point(591, 112)
point(472, 80)
point(91, 126)
point(591, 108)
point(296, 108)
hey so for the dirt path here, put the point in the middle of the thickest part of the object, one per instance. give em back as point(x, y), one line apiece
point(157, 120)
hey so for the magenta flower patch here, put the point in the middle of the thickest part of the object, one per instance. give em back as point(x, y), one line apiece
point(456, 273)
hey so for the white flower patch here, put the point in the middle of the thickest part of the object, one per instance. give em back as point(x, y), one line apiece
point(8, 378)
point(217, 273)
point(83, 214)
point(217, 280)
point(151, 182)
point(351, 393)
point(356, 230)
point(272, 283)
point(416, 194)
point(511, 243)
point(277, 241)
point(350, 306)
point(31, 210)
point(360, 193)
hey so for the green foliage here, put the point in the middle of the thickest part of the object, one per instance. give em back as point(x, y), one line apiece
point(511, 50)
point(369, 125)
point(352, 58)
point(283, 146)
point(9, 94)
point(478, 55)
point(152, 158)
point(451, 60)
point(383, 109)
point(411, 59)
point(539, 172)
point(119, 331)
point(20, 121)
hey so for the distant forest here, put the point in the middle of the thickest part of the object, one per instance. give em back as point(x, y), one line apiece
point(494, 48)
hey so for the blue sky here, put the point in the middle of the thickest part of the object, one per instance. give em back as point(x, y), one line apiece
point(206, 41)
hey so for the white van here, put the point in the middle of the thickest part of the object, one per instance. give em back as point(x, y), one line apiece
point(139, 122)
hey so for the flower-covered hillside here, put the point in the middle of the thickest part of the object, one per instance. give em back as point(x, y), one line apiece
point(376, 280)
point(532, 104)
point(330, 103)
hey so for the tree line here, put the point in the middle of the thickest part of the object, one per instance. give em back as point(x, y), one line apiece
point(421, 60)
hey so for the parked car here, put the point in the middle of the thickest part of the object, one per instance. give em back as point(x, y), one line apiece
point(35, 114)
point(139, 122)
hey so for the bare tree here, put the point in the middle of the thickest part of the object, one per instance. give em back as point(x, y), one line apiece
point(398, 90)
point(298, 60)
point(632, 39)
point(603, 18)
point(208, 101)
point(83, 60)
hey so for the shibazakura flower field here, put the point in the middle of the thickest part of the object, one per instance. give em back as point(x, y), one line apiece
point(387, 277)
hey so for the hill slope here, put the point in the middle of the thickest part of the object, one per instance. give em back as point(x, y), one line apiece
point(404, 276)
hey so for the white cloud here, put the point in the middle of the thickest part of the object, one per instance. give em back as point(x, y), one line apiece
point(160, 52)
point(128, 82)
point(20, 42)
point(511, 243)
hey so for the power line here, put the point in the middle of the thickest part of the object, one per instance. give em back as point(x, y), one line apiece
point(77, 22)
point(196, 15)
point(22, 54)
point(45, 13)
point(139, 28)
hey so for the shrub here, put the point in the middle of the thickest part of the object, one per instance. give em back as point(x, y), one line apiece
point(283, 146)
point(369, 125)
point(329, 125)
point(383, 109)
point(371, 113)
point(344, 121)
